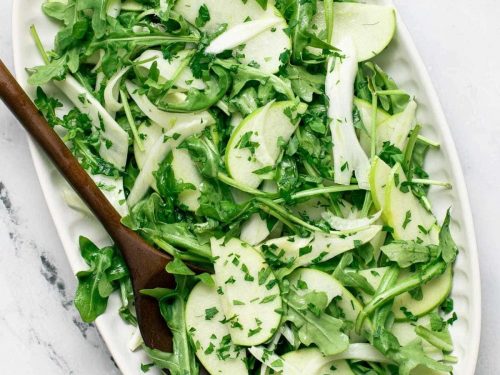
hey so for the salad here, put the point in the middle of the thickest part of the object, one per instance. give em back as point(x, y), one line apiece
point(261, 141)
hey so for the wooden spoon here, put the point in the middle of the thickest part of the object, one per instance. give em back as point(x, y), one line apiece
point(146, 264)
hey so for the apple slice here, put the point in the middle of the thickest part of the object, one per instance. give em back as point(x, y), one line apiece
point(185, 170)
point(365, 113)
point(371, 27)
point(395, 129)
point(305, 280)
point(409, 220)
point(149, 134)
point(264, 49)
point(379, 174)
point(319, 247)
point(254, 143)
point(249, 292)
point(204, 322)
point(434, 292)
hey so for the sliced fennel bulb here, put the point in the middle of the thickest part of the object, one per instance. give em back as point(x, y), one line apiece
point(114, 140)
point(167, 120)
point(348, 155)
point(345, 224)
point(240, 34)
point(160, 150)
point(116, 153)
point(112, 92)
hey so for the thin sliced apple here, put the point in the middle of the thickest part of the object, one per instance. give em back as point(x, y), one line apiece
point(379, 174)
point(409, 220)
point(319, 247)
point(370, 26)
point(249, 292)
point(264, 49)
point(204, 322)
point(254, 144)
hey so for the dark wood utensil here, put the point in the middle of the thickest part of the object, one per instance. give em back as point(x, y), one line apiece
point(146, 264)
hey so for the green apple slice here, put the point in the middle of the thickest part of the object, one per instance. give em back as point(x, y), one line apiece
point(306, 280)
point(434, 292)
point(254, 230)
point(365, 112)
point(319, 247)
point(254, 144)
point(405, 333)
point(149, 132)
point(336, 368)
point(409, 220)
point(250, 301)
point(311, 360)
point(185, 170)
point(308, 361)
point(379, 174)
point(204, 322)
point(264, 49)
point(371, 27)
point(395, 130)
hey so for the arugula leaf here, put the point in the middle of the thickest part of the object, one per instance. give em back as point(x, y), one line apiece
point(48, 106)
point(62, 11)
point(159, 223)
point(178, 267)
point(182, 360)
point(94, 285)
point(313, 324)
point(299, 23)
point(216, 202)
point(168, 186)
point(412, 355)
point(84, 142)
point(287, 177)
point(371, 77)
point(242, 74)
point(99, 15)
point(56, 69)
point(304, 84)
point(449, 249)
point(203, 16)
point(204, 154)
point(197, 100)
point(349, 278)
point(407, 253)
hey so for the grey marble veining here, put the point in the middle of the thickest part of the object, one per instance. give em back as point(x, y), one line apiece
point(40, 331)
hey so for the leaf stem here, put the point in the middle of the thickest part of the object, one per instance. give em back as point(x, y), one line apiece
point(320, 191)
point(247, 189)
point(281, 211)
point(391, 92)
point(421, 181)
point(39, 44)
point(409, 283)
point(131, 121)
point(428, 141)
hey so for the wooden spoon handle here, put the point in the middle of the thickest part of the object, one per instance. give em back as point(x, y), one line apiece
point(28, 115)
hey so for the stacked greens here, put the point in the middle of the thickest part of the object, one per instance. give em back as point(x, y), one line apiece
point(259, 140)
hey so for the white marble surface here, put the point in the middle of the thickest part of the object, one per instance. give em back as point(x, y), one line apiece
point(40, 331)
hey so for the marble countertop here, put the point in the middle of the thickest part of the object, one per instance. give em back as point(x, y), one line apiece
point(40, 330)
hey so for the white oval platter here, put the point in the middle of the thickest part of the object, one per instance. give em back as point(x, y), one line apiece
point(402, 61)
